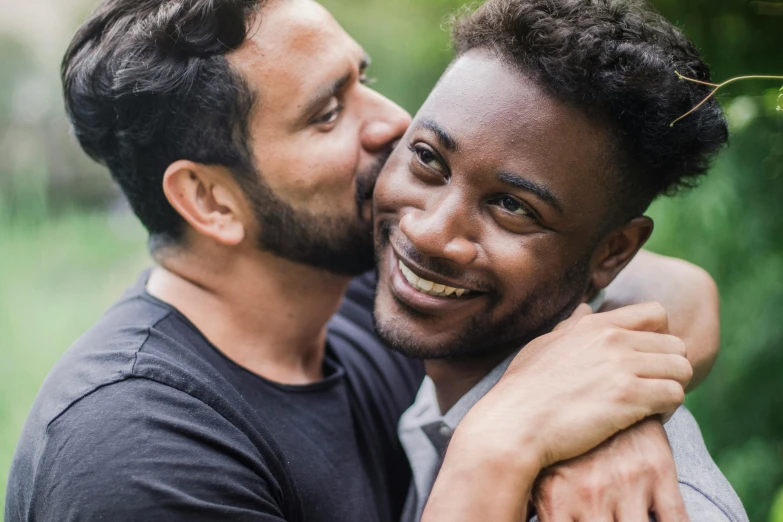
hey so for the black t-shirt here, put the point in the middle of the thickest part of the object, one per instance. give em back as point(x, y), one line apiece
point(143, 419)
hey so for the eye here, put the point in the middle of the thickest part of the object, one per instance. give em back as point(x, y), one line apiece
point(329, 117)
point(367, 80)
point(512, 206)
point(428, 158)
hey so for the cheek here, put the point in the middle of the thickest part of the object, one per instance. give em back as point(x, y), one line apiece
point(328, 161)
point(396, 188)
point(313, 168)
point(524, 264)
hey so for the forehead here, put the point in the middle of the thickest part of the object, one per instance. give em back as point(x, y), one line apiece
point(503, 121)
point(293, 47)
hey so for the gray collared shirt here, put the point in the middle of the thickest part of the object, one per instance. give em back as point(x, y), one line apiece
point(425, 433)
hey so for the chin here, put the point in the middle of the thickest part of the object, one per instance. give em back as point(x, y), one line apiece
point(401, 337)
point(419, 336)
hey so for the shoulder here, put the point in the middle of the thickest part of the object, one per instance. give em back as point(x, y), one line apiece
point(358, 302)
point(378, 373)
point(705, 489)
point(360, 348)
point(103, 355)
point(136, 408)
point(138, 446)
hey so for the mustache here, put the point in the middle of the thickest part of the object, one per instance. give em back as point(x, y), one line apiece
point(365, 180)
point(436, 266)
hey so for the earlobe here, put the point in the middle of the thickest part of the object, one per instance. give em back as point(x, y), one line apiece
point(617, 249)
point(206, 199)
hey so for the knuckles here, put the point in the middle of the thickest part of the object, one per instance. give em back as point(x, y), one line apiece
point(656, 312)
point(675, 392)
point(678, 346)
point(685, 369)
point(624, 388)
point(612, 336)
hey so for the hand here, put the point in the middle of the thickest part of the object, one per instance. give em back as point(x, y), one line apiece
point(568, 391)
point(689, 295)
point(625, 478)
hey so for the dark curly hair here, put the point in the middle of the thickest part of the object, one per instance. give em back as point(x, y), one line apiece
point(616, 60)
point(146, 83)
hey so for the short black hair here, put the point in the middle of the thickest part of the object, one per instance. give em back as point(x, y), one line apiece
point(616, 60)
point(147, 83)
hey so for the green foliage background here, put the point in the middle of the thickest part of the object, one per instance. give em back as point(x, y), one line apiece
point(68, 247)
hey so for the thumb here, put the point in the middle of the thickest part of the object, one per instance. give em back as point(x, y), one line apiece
point(581, 311)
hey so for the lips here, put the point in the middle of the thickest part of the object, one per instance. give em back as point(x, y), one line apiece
point(430, 287)
point(413, 291)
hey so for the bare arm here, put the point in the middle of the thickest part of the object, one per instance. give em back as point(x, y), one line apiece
point(565, 393)
point(688, 294)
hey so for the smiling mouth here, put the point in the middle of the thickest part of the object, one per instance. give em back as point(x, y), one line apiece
point(430, 287)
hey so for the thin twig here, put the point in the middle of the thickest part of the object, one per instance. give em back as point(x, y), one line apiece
point(718, 86)
point(681, 77)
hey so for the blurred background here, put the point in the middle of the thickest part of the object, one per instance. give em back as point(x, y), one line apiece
point(69, 246)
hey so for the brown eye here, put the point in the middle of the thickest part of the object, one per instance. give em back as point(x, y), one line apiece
point(428, 158)
point(512, 206)
point(329, 117)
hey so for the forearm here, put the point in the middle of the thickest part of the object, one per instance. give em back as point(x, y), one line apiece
point(480, 485)
point(688, 294)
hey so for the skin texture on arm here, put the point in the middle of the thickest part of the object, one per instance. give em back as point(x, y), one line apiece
point(567, 392)
point(627, 477)
point(688, 294)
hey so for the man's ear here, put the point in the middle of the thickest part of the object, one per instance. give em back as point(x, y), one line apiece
point(617, 249)
point(208, 199)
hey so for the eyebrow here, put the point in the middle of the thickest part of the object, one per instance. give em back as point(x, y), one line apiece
point(445, 139)
point(326, 93)
point(543, 193)
point(540, 191)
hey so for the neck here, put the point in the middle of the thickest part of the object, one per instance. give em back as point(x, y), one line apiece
point(453, 378)
point(266, 314)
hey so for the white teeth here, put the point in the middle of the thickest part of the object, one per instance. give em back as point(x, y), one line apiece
point(426, 285)
point(412, 278)
point(429, 287)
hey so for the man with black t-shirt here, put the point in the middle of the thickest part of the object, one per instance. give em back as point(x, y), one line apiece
point(221, 386)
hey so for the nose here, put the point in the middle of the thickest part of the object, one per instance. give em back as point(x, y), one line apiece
point(386, 123)
point(441, 233)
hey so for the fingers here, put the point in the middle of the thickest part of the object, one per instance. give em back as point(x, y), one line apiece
point(649, 317)
point(655, 397)
point(553, 514)
point(667, 500)
point(663, 366)
point(633, 508)
point(657, 343)
point(581, 311)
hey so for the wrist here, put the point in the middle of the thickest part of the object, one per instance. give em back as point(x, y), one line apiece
point(515, 450)
point(479, 480)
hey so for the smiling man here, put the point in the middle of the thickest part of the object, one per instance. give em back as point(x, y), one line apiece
point(518, 193)
point(247, 143)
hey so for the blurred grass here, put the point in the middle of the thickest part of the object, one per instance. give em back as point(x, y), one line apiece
point(56, 279)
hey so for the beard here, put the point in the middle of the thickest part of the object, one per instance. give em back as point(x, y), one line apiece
point(342, 245)
point(485, 334)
